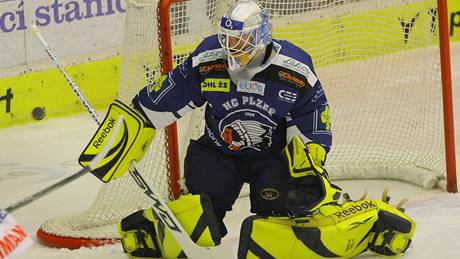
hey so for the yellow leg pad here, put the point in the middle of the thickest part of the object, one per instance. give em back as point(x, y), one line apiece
point(196, 215)
point(338, 231)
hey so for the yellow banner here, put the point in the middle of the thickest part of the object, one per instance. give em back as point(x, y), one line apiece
point(454, 19)
point(46, 94)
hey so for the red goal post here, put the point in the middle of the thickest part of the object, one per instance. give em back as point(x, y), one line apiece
point(388, 86)
point(448, 107)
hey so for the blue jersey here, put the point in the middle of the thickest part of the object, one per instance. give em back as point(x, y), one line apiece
point(244, 117)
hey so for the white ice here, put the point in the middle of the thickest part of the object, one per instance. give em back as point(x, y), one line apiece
point(36, 155)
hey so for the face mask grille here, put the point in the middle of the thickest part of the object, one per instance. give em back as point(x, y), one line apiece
point(238, 45)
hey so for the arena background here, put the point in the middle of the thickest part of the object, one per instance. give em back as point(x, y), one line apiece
point(87, 36)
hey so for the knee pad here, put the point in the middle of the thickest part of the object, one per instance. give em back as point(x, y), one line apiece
point(194, 212)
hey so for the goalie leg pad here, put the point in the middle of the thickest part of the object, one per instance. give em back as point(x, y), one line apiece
point(393, 232)
point(336, 231)
point(132, 142)
point(196, 215)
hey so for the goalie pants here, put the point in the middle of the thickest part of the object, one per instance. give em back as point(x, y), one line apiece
point(221, 177)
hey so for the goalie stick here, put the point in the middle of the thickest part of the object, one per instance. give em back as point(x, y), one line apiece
point(191, 249)
point(64, 72)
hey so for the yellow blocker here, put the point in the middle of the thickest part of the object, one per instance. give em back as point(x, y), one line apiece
point(131, 143)
point(335, 231)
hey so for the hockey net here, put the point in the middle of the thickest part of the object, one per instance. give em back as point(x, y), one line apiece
point(378, 62)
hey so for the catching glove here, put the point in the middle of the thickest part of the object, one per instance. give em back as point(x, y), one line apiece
point(311, 187)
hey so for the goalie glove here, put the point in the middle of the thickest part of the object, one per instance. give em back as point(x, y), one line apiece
point(131, 143)
point(311, 187)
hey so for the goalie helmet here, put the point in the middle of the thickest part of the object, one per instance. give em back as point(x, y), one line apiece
point(244, 31)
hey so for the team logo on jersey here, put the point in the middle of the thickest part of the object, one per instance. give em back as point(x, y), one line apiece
point(252, 87)
point(322, 120)
point(156, 86)
point(287, 96)
point(326, 117)
point(247, 129)
point(215, 85)
point(241, 134)
point(160, 87)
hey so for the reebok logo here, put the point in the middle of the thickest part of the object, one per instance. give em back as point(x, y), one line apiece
point(104, 133)
point(355, 209)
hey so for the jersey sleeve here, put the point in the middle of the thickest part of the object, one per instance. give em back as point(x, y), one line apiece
point(310, 119)
point(171, 96)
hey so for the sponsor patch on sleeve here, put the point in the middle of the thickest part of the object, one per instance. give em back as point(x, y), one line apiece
point(298, 67)
point(207, 56)
point(322, 123)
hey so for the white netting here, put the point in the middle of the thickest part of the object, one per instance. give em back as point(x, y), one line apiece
point(377, 60)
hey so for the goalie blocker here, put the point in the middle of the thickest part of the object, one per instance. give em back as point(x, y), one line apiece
point(131, 142)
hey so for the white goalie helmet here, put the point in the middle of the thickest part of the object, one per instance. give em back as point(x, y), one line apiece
point(244, 31)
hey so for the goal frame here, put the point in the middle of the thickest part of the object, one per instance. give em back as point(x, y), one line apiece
point(446, 79)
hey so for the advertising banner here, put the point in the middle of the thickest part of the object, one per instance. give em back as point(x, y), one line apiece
point(454, 19)
point(72, 27)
